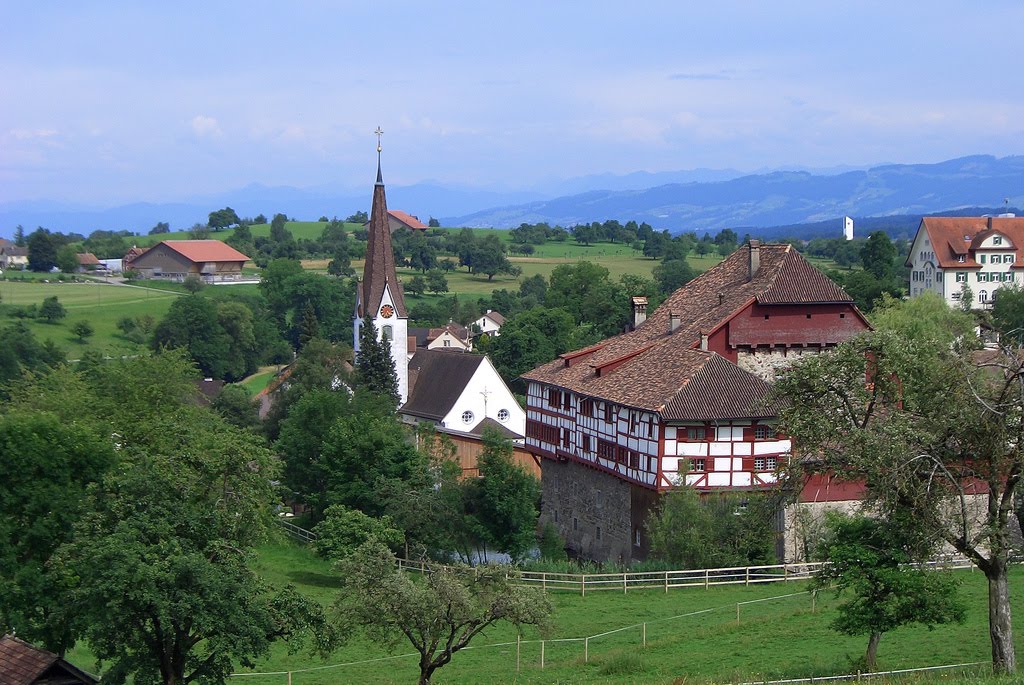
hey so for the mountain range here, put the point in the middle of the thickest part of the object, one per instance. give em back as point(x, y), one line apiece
point(774, 201)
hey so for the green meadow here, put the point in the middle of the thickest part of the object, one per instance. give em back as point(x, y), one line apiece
point(100, 304)
point(779, 635)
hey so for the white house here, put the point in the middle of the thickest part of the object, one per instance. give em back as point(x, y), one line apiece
point(954, 256)
point(490, 323)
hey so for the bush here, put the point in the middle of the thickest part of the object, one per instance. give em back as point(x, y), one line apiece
point(52, 310)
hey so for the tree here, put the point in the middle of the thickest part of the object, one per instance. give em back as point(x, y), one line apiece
point(42, 250)
point(309, 326)
point(159, 566)
point(720, 530)
point(235, 405)
point(416, 285)
point(193, 284)
point(673, 274)
point(508, 498)
point(586, 291)
point(878, 255)
point(937, 431)
point(161, 227)
point(433, 223)
point(19, 236)
point(67, 259)
point(259, 220)
point(341, 264)
point(872, 559)
point(82, 330)
point(223, 218)
point(488, 257)
point(375, 369)
point(436, 281)
point(48, 464)
point(1008, 312)
point(439, 613)
point(52, 310)
point(343, 530)
point(359, 217)
point(192, 324)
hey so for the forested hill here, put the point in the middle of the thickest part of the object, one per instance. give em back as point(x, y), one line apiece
point(783, 199)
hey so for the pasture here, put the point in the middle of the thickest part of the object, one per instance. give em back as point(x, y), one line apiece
point(100, 304)
point(774, 638)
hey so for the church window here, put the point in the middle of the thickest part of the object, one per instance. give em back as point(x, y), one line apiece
point(467, 417)
point(387, 333)
point(503, 415)
point(763, 433)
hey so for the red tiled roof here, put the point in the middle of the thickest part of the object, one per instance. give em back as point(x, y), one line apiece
point(24, 664)
point(204, 250)
point(407, 219)
point(458, 331)
point(661, 370)
point(952, 237)
point(87, 259)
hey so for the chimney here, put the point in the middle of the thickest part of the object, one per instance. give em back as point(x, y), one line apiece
point(755, 257)
point(673, 322)
point(639, 311)
point(704, 341)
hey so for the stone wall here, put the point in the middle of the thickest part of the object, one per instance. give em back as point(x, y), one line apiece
point(590, 509)
point(767, 361)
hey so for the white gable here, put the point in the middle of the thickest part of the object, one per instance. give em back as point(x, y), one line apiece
point(486, 396)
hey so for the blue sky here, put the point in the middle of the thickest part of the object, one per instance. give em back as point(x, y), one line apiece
point(106, 102)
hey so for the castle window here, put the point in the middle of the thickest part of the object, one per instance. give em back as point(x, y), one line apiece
point(636, 537)
point(467, 417)
point(503, 415)
point(599, 532)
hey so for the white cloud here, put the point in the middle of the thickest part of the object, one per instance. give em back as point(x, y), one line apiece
point(31, 134)
point(206, 127)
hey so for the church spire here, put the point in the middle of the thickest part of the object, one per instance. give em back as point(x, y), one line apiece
point(379, 269)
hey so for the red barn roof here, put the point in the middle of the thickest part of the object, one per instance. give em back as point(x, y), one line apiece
point(408, 219)
point(204, 250)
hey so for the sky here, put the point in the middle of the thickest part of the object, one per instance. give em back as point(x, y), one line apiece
point(113, 102)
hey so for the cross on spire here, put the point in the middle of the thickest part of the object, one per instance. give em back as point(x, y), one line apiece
point(378, 133)
point(380, 178)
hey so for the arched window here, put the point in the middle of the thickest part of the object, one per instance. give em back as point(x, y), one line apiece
point(982, 296)
point(387, 333)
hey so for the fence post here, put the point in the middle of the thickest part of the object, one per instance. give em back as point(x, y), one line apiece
point(518, 639)
point(586, 650)
point(544, 582)
point(737, 612)
point(785, 573)
point(814, 596)
point(707, 579)
point(542, 655)
point(583, 585)
point(289, 678)
point(623, 582)
point(746, 580)
point(644, 634)
point(666, 582)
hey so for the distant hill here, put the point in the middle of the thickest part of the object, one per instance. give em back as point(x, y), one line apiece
point(784, 198)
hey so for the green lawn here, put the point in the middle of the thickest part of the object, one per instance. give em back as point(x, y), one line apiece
point(774, 639)
point(99, 303)
point(259, 380)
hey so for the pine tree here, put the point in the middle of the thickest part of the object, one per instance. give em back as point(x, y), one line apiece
point(309, 325)
point(375, 369)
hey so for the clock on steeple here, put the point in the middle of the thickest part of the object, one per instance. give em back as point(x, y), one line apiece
point(387, 311)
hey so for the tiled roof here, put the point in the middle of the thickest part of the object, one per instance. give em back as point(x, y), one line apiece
point(13, 250)
point(407, 219)
point(953, 237)
point(496, 317)
point(200, 251)
point(379, 268)
point(662, 370)
point(87, 259)
point(24, 664)
point(440, 377)
point(477, 431)
point(458, 331)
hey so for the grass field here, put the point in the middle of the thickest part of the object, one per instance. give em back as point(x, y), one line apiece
point(100, 304)
point(774, 639)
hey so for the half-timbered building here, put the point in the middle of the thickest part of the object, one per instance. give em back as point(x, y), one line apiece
point(683, 398)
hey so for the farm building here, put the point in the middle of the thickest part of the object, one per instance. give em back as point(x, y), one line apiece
point(210, 260)
point(13, 257)
point(398, 219)
point(683, 398)
point(87, 261)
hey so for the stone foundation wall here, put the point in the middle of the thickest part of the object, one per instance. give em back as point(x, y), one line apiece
point(582, 501)
point(767, 361)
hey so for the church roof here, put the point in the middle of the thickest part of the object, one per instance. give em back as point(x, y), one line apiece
point(664, 370)
point(379, 269)
point(436, 381)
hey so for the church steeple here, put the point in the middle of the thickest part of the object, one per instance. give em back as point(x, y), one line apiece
point(379, 297)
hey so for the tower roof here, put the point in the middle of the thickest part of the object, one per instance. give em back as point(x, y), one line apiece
point(379, 269)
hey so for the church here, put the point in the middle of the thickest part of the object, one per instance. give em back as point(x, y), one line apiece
point(459, 393)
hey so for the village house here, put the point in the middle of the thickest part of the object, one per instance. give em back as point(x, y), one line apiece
point(489, 323)
point(398, 219)
point(87, 261)
point(683, 398)
point(458, 394)
point(209, 260)
point(13, 257)
point(953, 256)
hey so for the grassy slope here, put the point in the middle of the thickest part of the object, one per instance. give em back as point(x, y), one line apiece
point(100, 304)
point(774, 639)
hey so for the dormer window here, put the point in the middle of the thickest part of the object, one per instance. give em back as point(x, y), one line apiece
point(961, 258)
